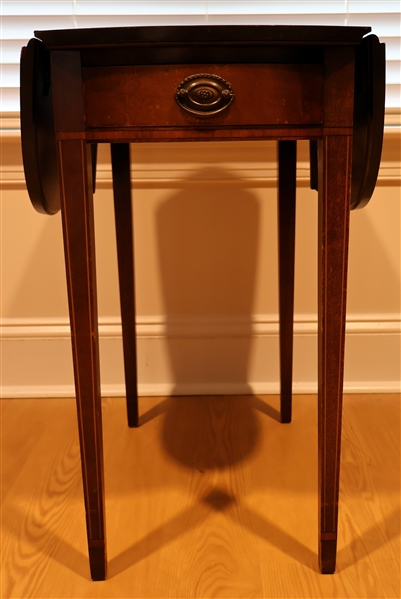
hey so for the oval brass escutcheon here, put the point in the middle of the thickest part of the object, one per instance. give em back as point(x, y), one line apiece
point(204, 94)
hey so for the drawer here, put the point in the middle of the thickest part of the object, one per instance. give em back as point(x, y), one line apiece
point(144, 96)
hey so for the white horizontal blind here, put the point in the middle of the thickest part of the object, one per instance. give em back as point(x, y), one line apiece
point(19, 19)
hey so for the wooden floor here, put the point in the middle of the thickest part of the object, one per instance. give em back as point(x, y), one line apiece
point(210, 497)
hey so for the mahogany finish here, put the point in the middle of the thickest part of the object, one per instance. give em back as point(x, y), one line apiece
point(140, 96)
point(120, 161)
point(335, 162)
point(287, 163)
point(79, 248)
point(117, 86)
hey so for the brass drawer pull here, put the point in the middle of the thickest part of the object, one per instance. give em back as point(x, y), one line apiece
point(204, 94)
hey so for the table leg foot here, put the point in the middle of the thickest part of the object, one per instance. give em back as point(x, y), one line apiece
point(97, 559)
point(132, 412)
point(327, 556)
point(285, 408)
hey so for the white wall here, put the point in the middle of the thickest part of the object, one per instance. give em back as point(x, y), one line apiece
point(206, 272)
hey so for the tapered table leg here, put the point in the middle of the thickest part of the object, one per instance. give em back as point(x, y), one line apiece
point(335, 163)
point(287, 157)
point(79, 246)
point(120, 158)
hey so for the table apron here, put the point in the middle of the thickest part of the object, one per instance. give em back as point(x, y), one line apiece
point(145, 134)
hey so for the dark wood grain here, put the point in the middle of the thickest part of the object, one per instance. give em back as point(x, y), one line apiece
point(120, 160)
point(243, 35)
point(38, 142)
point(79, 248)
point(370, 90)
point(76, 179)
point(287, 159)
point(143, 96)
point(203, 132)
point(206, 53)
point(335, 164)
point(68, 101)
point(338, 86)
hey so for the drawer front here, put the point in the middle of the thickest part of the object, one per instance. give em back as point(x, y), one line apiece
point(144, 96)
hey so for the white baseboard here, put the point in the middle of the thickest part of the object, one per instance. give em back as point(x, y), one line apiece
point(198, 356)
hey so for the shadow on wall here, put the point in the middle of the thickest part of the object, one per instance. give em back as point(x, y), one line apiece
point(208, 238)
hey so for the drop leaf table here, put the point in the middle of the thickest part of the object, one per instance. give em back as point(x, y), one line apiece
point(128, 85)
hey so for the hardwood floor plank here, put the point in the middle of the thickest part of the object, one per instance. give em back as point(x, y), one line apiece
point(210, 497)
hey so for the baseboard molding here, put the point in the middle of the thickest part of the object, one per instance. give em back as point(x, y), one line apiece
point(165, 390)
point(198, 356)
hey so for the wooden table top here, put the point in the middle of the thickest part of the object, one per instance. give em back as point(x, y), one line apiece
point(220, 34)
